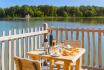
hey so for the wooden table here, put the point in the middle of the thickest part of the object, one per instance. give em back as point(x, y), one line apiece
point(67, 59)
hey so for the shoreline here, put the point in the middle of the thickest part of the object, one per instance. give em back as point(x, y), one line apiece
point(19, 18)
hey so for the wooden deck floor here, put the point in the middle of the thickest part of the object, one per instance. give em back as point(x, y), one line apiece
point(84, 68)
point(47, 68)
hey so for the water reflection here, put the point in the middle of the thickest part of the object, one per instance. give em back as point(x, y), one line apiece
point(81, 20)
point(8, 24)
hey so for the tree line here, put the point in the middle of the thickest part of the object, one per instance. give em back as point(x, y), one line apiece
point(51, 11)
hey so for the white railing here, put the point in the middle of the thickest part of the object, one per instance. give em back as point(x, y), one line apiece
point(20, 43)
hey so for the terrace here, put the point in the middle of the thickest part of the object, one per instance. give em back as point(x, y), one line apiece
point(19, 42)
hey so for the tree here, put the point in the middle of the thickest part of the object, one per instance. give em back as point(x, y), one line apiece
point(2, 13)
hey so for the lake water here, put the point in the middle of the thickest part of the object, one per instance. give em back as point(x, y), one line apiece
point(96, 23)
point(6, 25)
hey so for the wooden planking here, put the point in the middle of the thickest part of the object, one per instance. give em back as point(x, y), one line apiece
point(99, 49)
point(24, 35)
point(24, 45)
point(14, 48)
point(94, 49)
point(61, 36)
point(9, 50)
point(83, 59)
point(66, 35)
point(88, 35)
point(32, 46)
point(3, 52)
point(20, 44)
point(56, 36)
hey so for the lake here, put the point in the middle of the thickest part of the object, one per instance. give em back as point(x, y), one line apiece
point(96, 23)
point(6, 25)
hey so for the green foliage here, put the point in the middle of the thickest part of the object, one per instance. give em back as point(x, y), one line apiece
point(2, 13)
point(65, 14)
point(51, 11)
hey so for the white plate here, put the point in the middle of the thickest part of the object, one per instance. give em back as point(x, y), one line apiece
point(55, 55)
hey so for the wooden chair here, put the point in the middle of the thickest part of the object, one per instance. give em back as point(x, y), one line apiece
point(76, 43)
point(27, 64)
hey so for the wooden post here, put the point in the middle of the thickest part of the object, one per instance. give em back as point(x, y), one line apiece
point(71, 35)
point(24, 49)
point(45, 25)
point(88, 34)
point(39, 37)
point(57, 36)
point(77, 35)
point(10, 50)
point(66, 35)
point(28, 47)
point(36, 40)
point(61, 36)
point(3, 52)
point(94, 51)
point(42, 37)
point(14, 48)
point(99, 49)
point(83, 58)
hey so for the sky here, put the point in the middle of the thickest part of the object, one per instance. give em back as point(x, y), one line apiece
point(9, 3)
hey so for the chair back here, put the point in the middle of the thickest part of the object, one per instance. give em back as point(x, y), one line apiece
point(27, 64)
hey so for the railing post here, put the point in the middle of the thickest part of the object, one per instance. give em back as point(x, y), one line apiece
point(71, 35)
point(10, 50)
point(39, 37)
point(36, 40)
point(32, 40)
point(14, 48)
point(99, 49)
point(66, 35)
point(24, 45)
point(20, 44)
point(45, 25)
point(94, 51)
point(89, 47)
point(3, 51)
point(57, 36)
point(83, 58)
point(61, 36)
point(42, 36)
point(28, 47)
point(77, 35)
